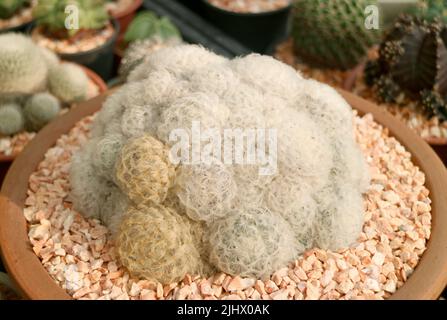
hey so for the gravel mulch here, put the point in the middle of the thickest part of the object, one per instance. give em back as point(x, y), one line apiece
point(79, 254)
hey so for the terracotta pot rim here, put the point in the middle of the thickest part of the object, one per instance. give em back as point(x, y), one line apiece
point(93, 76)
point(349, 83)
point(130, 9)
point(426, 282)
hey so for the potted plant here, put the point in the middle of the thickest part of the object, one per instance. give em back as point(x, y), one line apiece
point(123, 11)
point(146, 33)
point(323, 48)
point(16, 15)
point(91, 40)
point(406, 77)
point(35, 88)
point(257, 24)
point(117, 208)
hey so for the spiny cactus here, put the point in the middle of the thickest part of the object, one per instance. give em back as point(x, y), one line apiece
point(51, 15)
point(68, 82)
point(412, 62)
point(9, 7)
point(40, 109)
point(241, 222)
point(11, 119)
point(22, 67)
point(332, 34)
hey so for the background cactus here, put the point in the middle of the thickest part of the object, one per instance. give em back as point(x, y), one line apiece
point(332, 34)
point(40, 109)
point(11, 119)
point(147, 33)
point(9, 7)
point(22, 67)
point(50, 14)
point(412, 62)
point(68, 82)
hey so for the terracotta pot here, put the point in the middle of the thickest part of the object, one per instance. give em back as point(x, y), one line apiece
point(5, 161)
point(438, 144)
point(126, 16)
point(427, 281)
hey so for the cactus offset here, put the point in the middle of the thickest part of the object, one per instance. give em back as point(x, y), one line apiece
point(68, 82)
point(40, 109)
point(332, 34)
point(11, 119)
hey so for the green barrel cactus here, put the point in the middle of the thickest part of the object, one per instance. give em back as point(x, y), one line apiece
point(40, 109)
point(413, 63)
point(332, 34)
point(22, 67)
point(11, 119)
point(68, 82)
point(51, 15)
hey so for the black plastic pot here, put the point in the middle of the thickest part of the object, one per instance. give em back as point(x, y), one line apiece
point(19, 28)
point(99, 59)
point(258, 31)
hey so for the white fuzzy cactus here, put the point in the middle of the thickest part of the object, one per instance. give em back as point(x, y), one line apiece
point(22, 65)
point(313, 199)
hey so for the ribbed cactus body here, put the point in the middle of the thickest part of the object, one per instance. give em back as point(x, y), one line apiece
point(68, 82)
point(40, 109)
point(11, 119)
point(413, 62)
point(331, 33)
point(22, 67)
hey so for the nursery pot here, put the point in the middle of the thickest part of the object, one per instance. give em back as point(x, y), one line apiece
point(257, 31)
point(20, 28)
point(5, 161)
point(126, 16)
point(438, 144)
point(426, 282)
point(99, 59)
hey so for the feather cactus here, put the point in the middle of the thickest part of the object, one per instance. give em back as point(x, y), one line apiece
point(40, 109)
point(68, 82)
point(332, 34)
point(22, 67)
point(413, 62)
point(11, 119)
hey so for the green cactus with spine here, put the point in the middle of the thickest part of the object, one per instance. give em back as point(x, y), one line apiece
point(9, 7)
point(11, 119)
point(51, 15)
point(68, 82)
point(40, 109)
point(412, 63)
point(22, 67)
point(332, 34)
point(147, 25)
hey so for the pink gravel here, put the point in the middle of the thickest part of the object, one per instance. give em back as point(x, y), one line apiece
point(79, 254)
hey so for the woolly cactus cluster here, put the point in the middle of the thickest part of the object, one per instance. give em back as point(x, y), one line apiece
point(332, 34)
point(170, 219)
point(27, 72)
point(412, 63)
